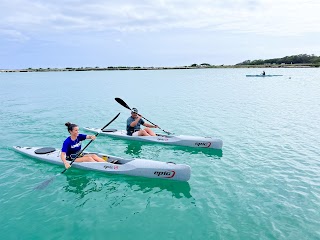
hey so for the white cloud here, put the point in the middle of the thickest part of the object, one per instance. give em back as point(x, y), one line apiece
point(269, 17)
point(159, 32)
point(13, 35)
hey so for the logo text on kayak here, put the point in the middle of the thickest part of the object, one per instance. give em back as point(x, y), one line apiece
point(110, 167)
point(165, 174)
point(163, 139)
point(203, 144)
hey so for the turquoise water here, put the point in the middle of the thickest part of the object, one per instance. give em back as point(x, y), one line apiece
point(264, 184)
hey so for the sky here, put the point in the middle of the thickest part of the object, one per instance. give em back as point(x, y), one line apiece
point(100, 33)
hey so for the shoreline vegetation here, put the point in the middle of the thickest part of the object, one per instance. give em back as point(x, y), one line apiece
point(295, 61)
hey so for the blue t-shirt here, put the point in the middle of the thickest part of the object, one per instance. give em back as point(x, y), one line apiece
point(72, 147)
point(130, 129)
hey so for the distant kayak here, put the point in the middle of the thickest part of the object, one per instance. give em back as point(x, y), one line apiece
point(260, 75)
point(180, 140)
point(115, 165)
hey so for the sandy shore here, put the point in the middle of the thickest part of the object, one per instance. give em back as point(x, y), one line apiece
point(157, 68)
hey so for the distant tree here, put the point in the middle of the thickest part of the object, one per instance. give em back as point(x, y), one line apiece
point(294, 59)
point(246, 62)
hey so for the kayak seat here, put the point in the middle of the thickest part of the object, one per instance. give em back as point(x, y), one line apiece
point(114, 161)
point(44, 150)
point(109, 130)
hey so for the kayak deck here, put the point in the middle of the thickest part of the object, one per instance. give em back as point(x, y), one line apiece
point(115, 165)
point(180, 140)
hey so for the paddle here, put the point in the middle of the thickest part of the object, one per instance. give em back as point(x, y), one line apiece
point(46, 183)
point(123, 103)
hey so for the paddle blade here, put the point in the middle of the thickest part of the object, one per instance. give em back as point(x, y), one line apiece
point(44, 184)
point(123, 103)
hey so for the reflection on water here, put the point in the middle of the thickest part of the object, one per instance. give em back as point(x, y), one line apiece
point(216, 153)
point(133, 148)
point(176, 188)
point(79, 184)
point(82, 184)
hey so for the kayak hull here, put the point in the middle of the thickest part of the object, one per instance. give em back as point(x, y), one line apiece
point(127, 166)
point(264, 75)
point(180, 140)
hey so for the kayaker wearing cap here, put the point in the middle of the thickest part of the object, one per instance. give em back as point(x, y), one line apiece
point(72, 145)
point(134, 122)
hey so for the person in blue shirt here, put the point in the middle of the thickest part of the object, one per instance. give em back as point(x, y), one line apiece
point(72, 145)
point(135, 121)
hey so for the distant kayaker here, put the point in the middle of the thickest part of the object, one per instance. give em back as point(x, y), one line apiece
point(72, 145)
point(134, 122)
point(263, 73)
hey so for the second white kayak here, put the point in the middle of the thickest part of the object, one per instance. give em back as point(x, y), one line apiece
point(180, 140)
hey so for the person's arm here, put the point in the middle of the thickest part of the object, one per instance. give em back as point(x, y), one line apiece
point(63, 158)
point(63, 154)
point(150, 125)
point(135, 122)
point(92, 137)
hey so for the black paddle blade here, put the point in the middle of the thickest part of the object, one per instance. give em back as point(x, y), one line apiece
point(123, 103)
point(44, 184)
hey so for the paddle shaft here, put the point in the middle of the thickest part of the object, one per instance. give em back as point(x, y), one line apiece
point(79, 153)
point(123, 103)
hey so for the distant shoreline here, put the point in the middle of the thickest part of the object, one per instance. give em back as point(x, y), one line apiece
point(158, 68)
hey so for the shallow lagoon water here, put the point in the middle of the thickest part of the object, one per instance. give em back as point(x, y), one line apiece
point(264, 184)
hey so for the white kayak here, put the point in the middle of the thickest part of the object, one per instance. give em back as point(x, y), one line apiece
point(115, 165)
point(180, 140)
point(260, 75)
